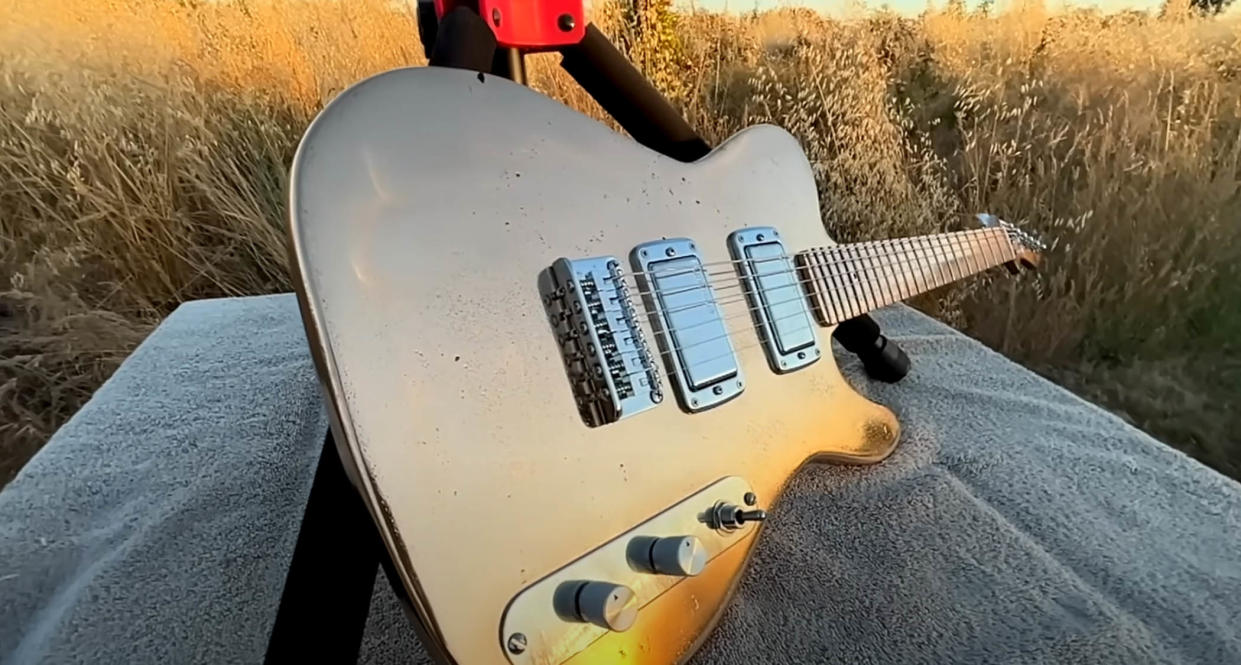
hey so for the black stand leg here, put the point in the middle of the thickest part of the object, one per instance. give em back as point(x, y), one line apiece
point(327, 594)
point(462, 40)
point(630, 98)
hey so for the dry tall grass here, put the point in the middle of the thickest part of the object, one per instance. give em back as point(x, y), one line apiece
point(143, 147)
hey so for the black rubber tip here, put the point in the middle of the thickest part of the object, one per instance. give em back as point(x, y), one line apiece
point(885, 361)
point(882, 358)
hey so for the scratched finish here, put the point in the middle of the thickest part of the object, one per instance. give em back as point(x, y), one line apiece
point(424, 204)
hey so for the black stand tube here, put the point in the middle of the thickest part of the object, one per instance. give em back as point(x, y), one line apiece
point(327, 593)
point(628, 97)
point(509, 63)
point(463, 41)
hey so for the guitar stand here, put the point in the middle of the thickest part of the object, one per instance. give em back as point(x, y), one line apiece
point(326, 599)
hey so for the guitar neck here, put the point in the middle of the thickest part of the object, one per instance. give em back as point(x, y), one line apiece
point(844, 281)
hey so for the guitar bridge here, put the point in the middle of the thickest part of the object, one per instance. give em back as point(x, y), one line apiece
point(609, 364)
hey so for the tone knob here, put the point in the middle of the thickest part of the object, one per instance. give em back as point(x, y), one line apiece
point(607, 605)
point(675, 555)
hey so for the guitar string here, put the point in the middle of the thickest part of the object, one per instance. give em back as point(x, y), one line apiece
point(859, 249)
point(945, 253)
point(941, 244)
point(942, 259)
point(1010, 234)
point(849, 304)
point(937, 238)
point(728, 334)
point(732, 332)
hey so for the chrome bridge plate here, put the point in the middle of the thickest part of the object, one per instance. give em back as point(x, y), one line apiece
point(688, 324)
point(550, 639)
point(610, 367)
point(777, 301)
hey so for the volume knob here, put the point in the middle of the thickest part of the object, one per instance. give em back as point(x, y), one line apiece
point(607, 605)
point(674, 555)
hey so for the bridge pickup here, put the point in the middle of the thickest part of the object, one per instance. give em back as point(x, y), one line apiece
point(610, 367)
point(688, 325)
point(776, 299)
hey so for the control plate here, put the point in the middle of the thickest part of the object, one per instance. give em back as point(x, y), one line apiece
point(551, 639)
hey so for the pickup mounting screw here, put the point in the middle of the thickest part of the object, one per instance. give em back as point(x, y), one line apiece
point(718, 390)
point(670, 252)
point(760, 237)
point(517, 642)
point(750, 498)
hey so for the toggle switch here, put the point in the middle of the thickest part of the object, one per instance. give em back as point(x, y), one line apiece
point(607, 605)
point(674, 555)
point(728, 517)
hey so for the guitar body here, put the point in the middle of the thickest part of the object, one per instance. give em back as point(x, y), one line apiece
point(425, 204)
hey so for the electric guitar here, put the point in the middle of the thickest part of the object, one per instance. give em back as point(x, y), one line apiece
point(570, 376)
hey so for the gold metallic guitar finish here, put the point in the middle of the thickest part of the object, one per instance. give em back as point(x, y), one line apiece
point(424, 204)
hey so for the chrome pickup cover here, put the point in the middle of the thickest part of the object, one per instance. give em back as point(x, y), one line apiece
point(688, 324)
point(776, 299)
point(609, 364)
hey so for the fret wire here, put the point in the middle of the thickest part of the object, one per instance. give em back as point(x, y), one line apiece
point(881, 282)
point(889, 276)
point(945, 264)
point(872, 281)
point(950, 257)
point(909, 290)
point(859, 298)
point(974, 254)
point(822, 272)
point(831, 258)
point(816, 274)
point(858, 303)
point(985, 248)
point(859, 295)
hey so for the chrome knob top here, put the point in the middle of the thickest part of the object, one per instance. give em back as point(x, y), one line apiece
point(607, 605)
point(674, 555)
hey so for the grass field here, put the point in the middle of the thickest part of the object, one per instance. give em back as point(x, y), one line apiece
point(143, 148)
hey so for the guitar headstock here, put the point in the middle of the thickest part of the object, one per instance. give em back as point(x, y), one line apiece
point(1027, 248)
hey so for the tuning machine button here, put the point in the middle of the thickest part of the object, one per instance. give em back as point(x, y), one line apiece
point(674, 555)
point(725, 516)
point(607, 605)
